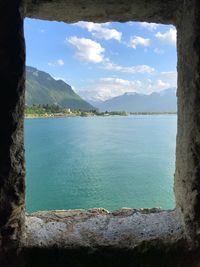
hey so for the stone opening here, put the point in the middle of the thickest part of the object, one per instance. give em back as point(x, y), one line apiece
point(88, 238)
point(95, 196)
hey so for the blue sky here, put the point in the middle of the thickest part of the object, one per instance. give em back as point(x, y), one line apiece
point(104, 60)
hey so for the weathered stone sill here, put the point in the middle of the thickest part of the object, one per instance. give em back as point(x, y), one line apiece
point(94, 228)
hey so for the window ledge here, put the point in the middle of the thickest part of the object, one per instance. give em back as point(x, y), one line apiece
point(93, 228)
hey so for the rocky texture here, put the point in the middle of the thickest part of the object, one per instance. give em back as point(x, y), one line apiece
point(187, 177)
point(126, 228)
point(95, 237)
point(104, 10)
point(12, 57)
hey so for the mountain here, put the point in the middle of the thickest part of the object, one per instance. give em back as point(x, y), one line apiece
point(41, 88)
point(163, 101)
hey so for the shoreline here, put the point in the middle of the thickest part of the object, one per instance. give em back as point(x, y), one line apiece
point(47, 117)
point(35, 116)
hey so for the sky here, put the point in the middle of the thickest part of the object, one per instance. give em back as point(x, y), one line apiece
point(101, 61)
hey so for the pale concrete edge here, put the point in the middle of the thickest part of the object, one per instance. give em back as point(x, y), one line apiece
point(94, 228)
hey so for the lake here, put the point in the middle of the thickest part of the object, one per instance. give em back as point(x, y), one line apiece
point(110, 162)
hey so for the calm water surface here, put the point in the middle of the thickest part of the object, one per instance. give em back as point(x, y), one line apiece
point(109, 162)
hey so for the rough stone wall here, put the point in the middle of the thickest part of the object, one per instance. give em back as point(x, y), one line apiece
point(11, 131)
point(125, 228)
point(187, 177)
point(103, 10)
point(127, 237)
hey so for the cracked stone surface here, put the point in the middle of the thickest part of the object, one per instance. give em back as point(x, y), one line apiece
point(99, 228)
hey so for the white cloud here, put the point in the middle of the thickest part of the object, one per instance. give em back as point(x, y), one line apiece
point(109, 87)
point(158, 51)
point(60, 78)
point(155, 86)
point(138, 40)
point(169, 74)
point(168, 37)
point(57, 63)
point(162, 85)
point(100, 30)
point(87, 49)
point(133, 69)
point(60, 62)
point(42, 30)
point(169, 77)
point(149, 26)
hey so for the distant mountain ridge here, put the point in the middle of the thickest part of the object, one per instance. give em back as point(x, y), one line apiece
point(163, 101)
point(43, 89)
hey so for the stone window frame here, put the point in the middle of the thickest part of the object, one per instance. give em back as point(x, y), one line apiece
point(144, 233)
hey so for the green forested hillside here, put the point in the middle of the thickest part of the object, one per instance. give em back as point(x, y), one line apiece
point(42, 89)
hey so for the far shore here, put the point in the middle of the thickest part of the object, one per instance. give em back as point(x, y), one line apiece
point(43, 116)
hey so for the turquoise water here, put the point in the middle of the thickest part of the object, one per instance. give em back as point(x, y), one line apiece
point(109, 162)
